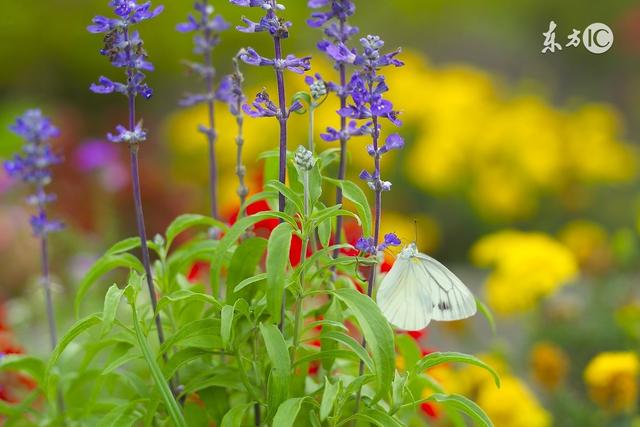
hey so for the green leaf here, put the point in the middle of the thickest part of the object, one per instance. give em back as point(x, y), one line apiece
point(315, 184)
point(327, 355)
point(243, 265)
point(464, 405)
point(486, 312)
point(288, 193)
point(79, 327)
point(23, 363)
point(101, 267)
point(329, 395)
point(120, 415)
point(288, 412)
point(158, 378)
point(398, 389)
point(409, 350)
point(324, 232)
point(352, 344)
point(234, 417)
point(280, 377)
point(185, 295)
point(111, 303)
point(226, 323)
point(207, 329)
point(187, 254)
point(378, 334)
point(332, 212)
point(124, 246)
point(438, 358)
point(182, 357)
point(381, 418)
point(355, 194)
point(277, 262)
point(186, 221)
point(239, 228)
point(250, 281)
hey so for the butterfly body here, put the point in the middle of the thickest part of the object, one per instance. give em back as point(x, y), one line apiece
point(419, 289)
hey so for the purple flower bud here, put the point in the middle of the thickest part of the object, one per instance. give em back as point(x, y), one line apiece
point(390, 239)
point(251, 57)
point(393, 142)
point(134, 136)
point(262, 106)
point(42, 226)
point(250, 3)
point(33, 165)
point(366, 245)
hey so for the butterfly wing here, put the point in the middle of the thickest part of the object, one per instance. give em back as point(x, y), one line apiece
point(452, 300)
point(402, 297)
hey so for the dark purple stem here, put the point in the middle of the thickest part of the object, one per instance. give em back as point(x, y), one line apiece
point(137, 201)
point(211, 134)
point(343, 153)
point(376, 234)
point(282, 174)
point(46, 281)
point(46, 284)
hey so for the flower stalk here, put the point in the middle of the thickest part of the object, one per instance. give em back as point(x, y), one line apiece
point(207, 28)
point(33, 166)
point(262, 106)
point(125, 50)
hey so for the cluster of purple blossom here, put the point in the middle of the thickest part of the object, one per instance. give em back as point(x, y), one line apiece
point(366, 91)
point(125, 49)
point(33, 166)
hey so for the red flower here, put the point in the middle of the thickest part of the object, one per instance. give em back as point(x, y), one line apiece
point(429, 409)
point(198, 270)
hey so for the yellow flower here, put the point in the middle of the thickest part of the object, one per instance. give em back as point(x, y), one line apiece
point(549, 364)
point(527, 267)
point(512, 405)
point(589, 242)
point(612, 381)
point(594, 150)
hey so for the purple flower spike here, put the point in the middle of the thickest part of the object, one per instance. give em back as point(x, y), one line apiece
point(33, 165)
point(34, 127)
point(124, 47)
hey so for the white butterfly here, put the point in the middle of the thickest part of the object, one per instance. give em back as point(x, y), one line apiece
point(418, 289)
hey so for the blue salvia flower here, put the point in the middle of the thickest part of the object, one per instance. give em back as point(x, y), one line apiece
point(368, 246)
point(207, 28)
point(125, 49)
point(33, 165)
point(366, 91)
point(332, 16)
point(262, 106)
point(230, 91)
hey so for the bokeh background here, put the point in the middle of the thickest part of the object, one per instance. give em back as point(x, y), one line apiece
point(520, 169)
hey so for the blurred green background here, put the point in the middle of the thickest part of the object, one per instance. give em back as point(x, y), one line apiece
point(500, 138)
